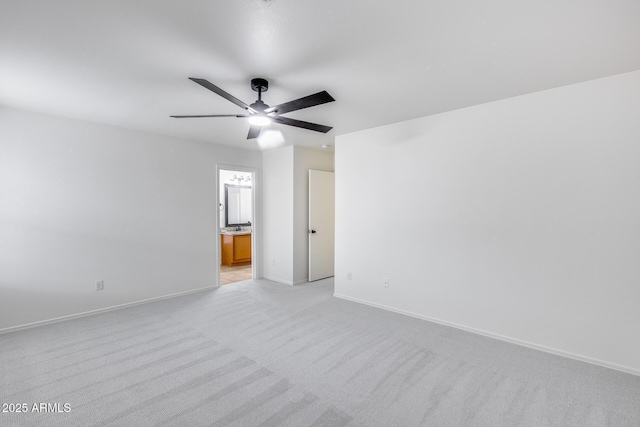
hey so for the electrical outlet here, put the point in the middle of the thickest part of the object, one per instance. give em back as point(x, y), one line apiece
point(100, 285)
point(349, 276)
point(385, 282)
point(273, 261)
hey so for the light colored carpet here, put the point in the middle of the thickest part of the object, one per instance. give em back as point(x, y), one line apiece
point(264, 354)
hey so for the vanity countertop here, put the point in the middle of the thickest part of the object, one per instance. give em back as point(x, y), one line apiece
point(235, 233)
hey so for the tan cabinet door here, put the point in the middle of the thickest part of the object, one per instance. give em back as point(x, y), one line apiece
point(242, 248)
point(236, 249)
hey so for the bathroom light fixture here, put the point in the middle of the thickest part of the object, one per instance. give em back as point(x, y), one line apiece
point(240, 179)
point(259, 120)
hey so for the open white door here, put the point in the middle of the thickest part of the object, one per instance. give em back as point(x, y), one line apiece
point(321, 224)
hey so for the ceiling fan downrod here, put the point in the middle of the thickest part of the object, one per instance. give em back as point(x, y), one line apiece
point(259, 85)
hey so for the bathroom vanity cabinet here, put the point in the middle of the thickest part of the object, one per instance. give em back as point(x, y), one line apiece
point(236, 248)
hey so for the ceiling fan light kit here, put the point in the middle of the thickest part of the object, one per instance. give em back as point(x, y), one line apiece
point(261, 114)
point(259, 120)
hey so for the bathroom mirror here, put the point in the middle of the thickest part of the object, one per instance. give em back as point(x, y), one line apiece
point(237, 201)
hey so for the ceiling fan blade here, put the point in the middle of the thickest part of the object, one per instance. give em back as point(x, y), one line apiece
point(254, 132)
point(301, 124)
point(222, 93)
point(298, 104)
point(210, 115)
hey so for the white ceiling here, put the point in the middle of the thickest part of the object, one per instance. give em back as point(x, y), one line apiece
point(126, 63)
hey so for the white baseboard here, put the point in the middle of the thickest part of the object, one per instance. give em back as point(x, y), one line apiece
point(581, 358)
point(286, 282)
point(274, 279)
point(102, 310)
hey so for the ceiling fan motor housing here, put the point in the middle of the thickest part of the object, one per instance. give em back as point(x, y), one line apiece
point(259, 106)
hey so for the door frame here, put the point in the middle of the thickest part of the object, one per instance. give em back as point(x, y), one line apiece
point(255, 224)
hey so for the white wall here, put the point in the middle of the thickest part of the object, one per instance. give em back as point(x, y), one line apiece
point(518, 219)
point(286, 211)
point(304, 160)
point(278, 215)
point(81, 202)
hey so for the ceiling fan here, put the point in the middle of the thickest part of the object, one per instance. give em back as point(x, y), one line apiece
point(260, 114)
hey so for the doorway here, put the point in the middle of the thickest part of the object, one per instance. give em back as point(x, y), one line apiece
point(236, 224)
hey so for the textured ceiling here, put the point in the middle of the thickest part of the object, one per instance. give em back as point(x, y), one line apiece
point(126, 63)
